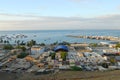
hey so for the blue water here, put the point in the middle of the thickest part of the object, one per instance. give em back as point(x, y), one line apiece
point(51, 36)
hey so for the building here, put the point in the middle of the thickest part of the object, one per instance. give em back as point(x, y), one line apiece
point(36, 51)
point(61, 48)
point(79, 44)
point(113, 44)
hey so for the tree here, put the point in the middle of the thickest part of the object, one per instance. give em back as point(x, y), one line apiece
point(63, 55)
point(5, 41)
point(52, 54)
point(93, 44)
point(55, 43)
point(112, 60)
point(117, 45)
point(105, 65)
point(18, 42)
point(22, 43)
point(42, 44)
point(31, 43)
point(75, 68)
point(8, 47)
point(21, 47)
point(22, 55)
point(1, 40)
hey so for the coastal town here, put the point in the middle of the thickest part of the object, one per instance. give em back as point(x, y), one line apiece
point(42, 58)
point(59, 40)
point(34, 59)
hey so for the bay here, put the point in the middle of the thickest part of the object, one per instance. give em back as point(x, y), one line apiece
point(51, 36)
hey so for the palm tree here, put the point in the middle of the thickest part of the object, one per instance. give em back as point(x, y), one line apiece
point(5, 41)
point(31, 43)
point(1, 40)
point(18, 42)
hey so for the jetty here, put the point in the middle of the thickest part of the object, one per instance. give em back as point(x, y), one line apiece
point(109, 38)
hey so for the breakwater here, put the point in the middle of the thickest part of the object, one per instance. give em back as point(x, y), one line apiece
point(109, 38)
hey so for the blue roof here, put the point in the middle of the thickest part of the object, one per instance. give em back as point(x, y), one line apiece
point(63, 47)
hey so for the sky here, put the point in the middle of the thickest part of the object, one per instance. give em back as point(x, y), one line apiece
point(59, 14)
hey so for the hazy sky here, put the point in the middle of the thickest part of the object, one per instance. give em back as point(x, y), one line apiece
point(59, 14)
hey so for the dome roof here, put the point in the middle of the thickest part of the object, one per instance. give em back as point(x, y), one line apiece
point(61, 47)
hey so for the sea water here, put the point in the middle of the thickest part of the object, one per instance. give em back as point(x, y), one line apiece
point(51, 36)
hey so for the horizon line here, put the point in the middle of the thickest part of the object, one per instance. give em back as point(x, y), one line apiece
point(57, 29)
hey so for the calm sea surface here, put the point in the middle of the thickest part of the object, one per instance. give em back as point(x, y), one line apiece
point(51, 36)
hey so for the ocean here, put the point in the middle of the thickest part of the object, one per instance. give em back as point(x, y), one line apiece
point(51, 36)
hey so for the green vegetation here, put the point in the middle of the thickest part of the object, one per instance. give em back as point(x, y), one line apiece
point(22, 43)
point(52, 55)
point(8, 47)
point(5, 41)
point(42, 44)
point(1, 40)
point(18, 42)
point(21, 47)
point(75, 68)
point(93, 44)
point(22, 55)
point(105, 65)
point(117, 45)
point(63, 55)
point(31, 43)
point(112, 60)
point(55, 43)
